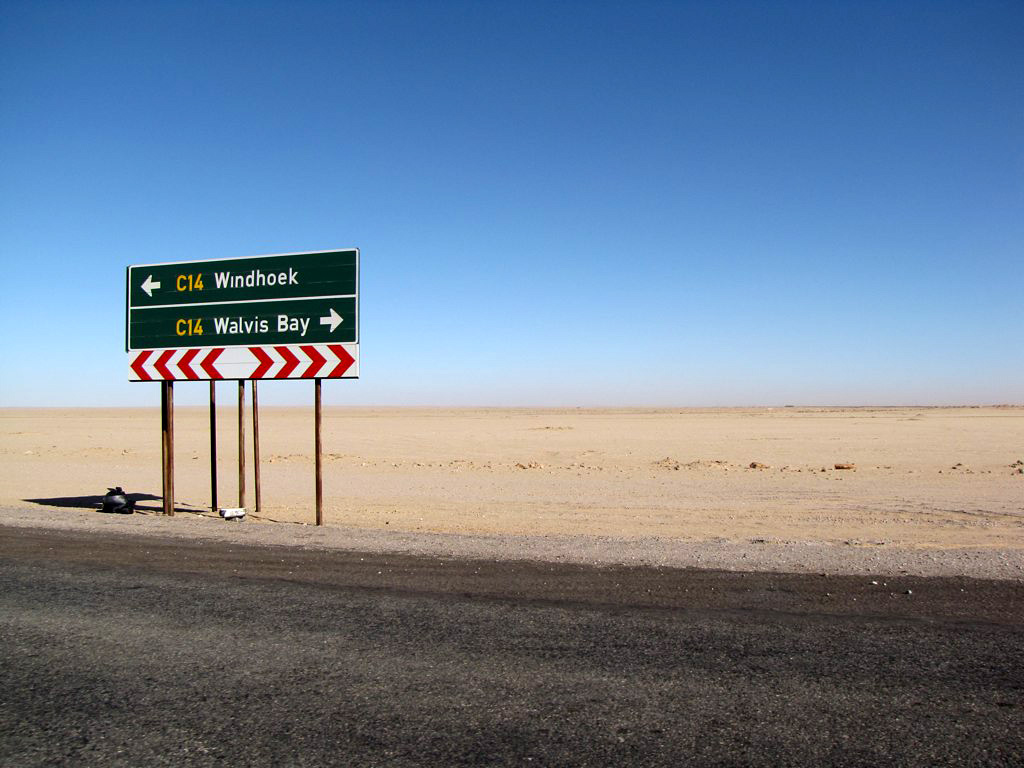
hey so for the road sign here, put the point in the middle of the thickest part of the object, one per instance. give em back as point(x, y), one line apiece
point(305, 361)
point(278, 316)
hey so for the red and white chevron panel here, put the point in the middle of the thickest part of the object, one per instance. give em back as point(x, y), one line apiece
point(288, 361)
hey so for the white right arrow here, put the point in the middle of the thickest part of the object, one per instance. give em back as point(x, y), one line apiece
point(333, 320)
point(149, 286)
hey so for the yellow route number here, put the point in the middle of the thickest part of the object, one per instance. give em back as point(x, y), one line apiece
point(190, 282)
point(189, 327)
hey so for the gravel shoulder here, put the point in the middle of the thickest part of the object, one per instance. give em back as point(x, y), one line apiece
point(765, 555)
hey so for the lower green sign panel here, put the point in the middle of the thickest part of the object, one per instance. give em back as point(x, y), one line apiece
point(306, 321)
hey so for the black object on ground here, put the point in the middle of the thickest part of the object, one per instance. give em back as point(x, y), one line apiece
point(117, 500)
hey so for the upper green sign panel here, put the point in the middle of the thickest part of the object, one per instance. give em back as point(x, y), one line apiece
point(287, 276)
point(168, 302)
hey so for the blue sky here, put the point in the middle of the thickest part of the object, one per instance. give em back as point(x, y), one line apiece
point(556, 203)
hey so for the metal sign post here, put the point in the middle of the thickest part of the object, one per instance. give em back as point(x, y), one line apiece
point(256, 444)
point(167, 445)
point(241, 444)
point(213, 445)
point(317, 410)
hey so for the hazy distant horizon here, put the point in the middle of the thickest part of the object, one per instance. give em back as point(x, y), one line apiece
point(228, 401)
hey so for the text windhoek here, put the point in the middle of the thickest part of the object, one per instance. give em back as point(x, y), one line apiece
point(255, 278)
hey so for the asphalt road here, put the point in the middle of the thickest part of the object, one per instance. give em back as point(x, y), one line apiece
point(142, 651)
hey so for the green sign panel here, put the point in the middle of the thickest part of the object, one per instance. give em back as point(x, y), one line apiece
point(301, 298)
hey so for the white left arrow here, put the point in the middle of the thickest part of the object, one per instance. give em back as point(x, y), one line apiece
point(149, 286)
point(333, 320)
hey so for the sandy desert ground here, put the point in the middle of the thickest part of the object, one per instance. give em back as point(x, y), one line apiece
point(922, 478)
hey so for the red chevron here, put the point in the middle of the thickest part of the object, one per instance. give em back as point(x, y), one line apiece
point(209, 360)
point(161, 364)
point(291, 362)
point(184, 365)
point(316, 362)
point(139, 362)
point(266, 362)
point(345, 361)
